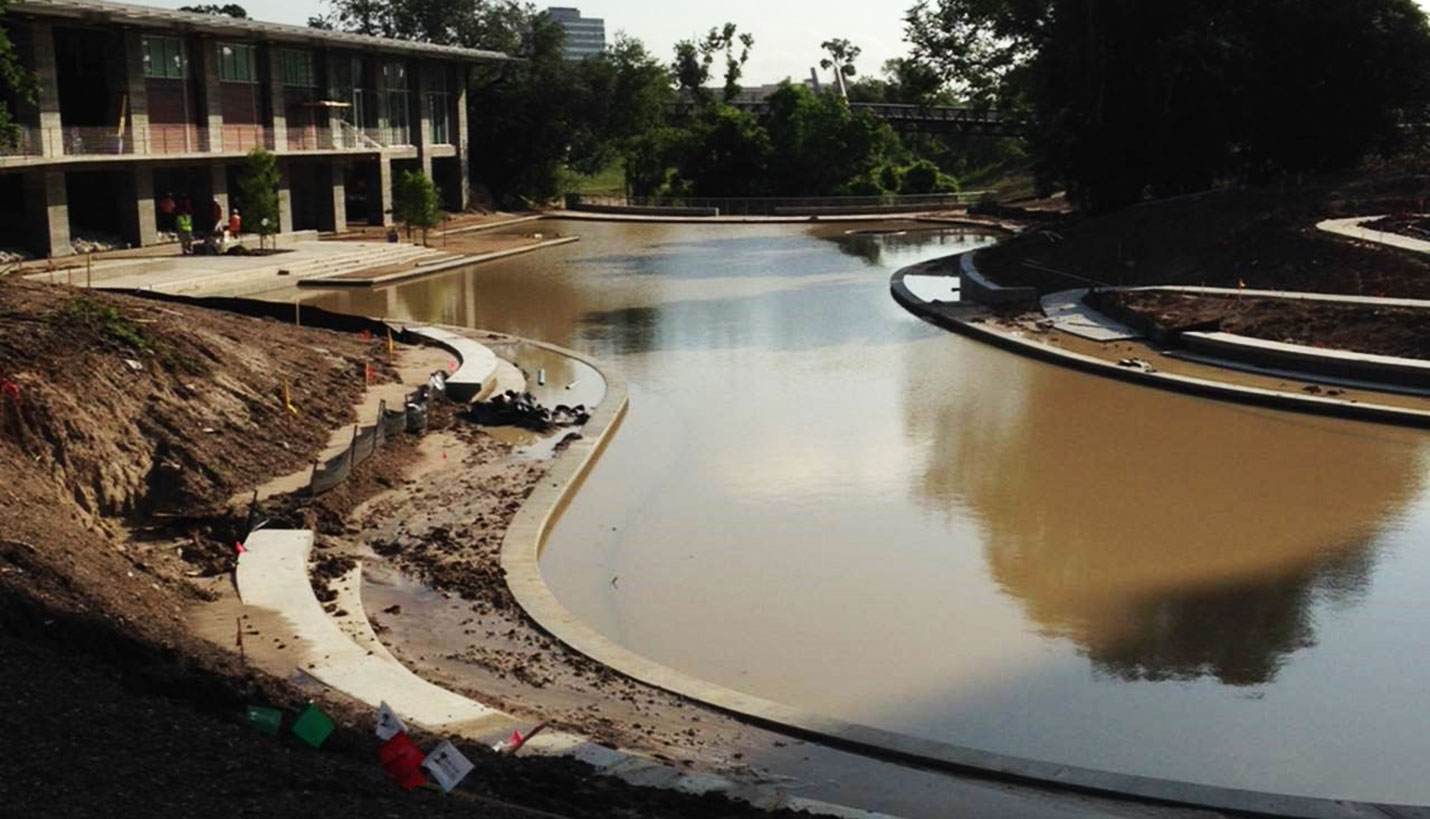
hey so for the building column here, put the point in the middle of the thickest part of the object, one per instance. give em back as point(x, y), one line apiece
point(463, 140)
point(47, 89)
point(218, 174)
point(213, 95)
point(379, 200)
point(285, 198)
point(424, 118)
point(138, 94)
point(47, 210)
point(337, 172)
point(278, 130)
point(135, 200)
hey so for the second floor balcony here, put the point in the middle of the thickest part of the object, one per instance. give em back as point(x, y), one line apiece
point(162, 139)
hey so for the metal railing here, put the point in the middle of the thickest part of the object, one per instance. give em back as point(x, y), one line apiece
point(390, 135)
point(778, 205)
point(176, 138)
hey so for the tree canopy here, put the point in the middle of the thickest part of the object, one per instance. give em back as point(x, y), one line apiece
point(1130, 98)
point(415, 202)
point(228, 10)
point(13, 78)
point(258, 192)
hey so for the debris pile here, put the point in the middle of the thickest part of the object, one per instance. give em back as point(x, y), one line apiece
point(512, 409)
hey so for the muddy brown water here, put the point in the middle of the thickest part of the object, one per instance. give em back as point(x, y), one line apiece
point(819, 500)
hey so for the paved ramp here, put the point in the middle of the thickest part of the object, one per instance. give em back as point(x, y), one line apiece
point(273, 575)
point(1070, 315)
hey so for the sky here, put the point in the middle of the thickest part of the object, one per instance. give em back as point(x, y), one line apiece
point(787, 32)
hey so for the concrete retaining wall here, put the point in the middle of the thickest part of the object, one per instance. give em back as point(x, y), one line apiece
point(1406, 372)
point(637, 210)
point(978, 289)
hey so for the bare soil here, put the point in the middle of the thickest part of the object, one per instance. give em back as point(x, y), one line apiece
point(125, 427)
point(1393, 331)
point(1263, 237)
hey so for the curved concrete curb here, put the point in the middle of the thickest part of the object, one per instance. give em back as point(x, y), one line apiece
point(272, 574)
point(520, 555)
point(1353, 228)
point(477, 363)
point(962, 320)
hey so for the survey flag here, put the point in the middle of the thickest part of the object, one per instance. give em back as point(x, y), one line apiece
point(447, 766)
point(388, 723)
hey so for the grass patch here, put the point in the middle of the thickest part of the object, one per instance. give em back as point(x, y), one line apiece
point(108, 323)
point(610, 181)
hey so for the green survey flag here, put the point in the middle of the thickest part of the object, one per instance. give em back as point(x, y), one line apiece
point(313, 726)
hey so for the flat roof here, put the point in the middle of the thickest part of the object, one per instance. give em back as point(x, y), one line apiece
point(102, 11)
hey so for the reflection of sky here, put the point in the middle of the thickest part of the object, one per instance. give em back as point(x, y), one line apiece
point(821, 500)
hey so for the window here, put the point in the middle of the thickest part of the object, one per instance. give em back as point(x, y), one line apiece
point(236, 63)
point(296, 67)
point(394, 76)
point(439, 104)
point(163, 57)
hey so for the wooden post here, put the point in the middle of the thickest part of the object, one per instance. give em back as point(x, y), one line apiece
point(88, 278)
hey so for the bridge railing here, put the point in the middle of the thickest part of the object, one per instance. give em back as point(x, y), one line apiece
point(778, 205)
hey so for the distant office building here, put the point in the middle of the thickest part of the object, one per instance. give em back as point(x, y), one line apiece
point(585, 36)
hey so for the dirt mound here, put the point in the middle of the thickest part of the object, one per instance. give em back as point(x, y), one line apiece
point(1394, 331)
point(119, 415)
point(1263, 237)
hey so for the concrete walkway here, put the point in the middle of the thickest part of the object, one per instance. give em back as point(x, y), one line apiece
point(1071, 315)
point(1296, 295)
point(240, 275)
point(376, 277)
point(273, 575)
point(477, 364)
point(1354, 228)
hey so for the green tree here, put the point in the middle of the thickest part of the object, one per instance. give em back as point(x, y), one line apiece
point(258, 193)
point(691, 70)
point(822, 146)
point(842, 55)
point(727, 39)
point(725, 153)
point(1132, 98)
point(13, 77)
point(617, 96)
point(416, 203)
point(228, 10)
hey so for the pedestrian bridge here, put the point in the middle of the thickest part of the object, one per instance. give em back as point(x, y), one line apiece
point(949, 119)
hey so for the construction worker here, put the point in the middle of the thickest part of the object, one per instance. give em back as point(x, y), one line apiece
point(185, 223)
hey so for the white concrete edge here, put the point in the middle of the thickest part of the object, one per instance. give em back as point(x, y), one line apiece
point(335, 280)
point(1354, 228)
point(272, 575)
point(476, 363)
point(1192, 385)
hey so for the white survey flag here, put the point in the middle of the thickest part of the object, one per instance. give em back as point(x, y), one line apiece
point(388, 723)
point(447, 766)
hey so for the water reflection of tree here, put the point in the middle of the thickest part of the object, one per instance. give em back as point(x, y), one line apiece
point(870, 247)
point(1169, 538)
point(1238, 633)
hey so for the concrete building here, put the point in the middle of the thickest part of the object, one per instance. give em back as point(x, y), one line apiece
point(585, 36)
point(136, 105)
